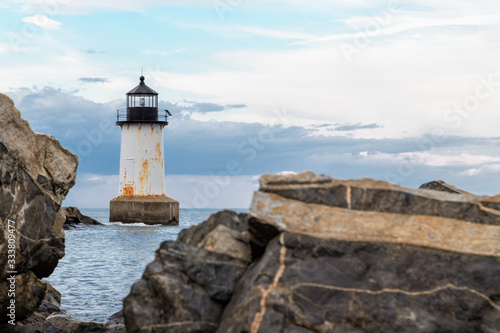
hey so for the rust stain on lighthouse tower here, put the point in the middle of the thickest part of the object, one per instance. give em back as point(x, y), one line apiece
point(141, 193)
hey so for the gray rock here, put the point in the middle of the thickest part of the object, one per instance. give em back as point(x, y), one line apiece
point(271, 214)
point(224, 232)
point(116, 322)
point(339, 286)
point(73, 217)
point(371, 195)
point(51, 304)
point(36, 173)
point(64, 323)
point(330, 256)
point(439, 185)
point(184, 289)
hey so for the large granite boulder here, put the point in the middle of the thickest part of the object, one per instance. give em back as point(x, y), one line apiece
point(36, 173)
point(332, 255)
point(186, 288)
point(307, 284)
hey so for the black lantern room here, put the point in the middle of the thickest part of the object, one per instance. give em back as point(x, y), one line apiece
point(142, 106)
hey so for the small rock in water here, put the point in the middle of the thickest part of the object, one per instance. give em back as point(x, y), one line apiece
point(74, 216)
point(439, 185)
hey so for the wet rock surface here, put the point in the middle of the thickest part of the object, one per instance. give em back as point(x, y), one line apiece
point(36, 173)
point(330, 256)
point(73, 217)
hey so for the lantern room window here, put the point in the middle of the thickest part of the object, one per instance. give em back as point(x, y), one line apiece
point(142, 101)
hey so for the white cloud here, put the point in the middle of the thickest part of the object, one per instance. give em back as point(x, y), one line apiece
point(4, 47)
point(489, 169)
point(91, 6)
point(43, 22)
point(405, 85)
point(406, 23)
point(435, 160)
point(280, 34)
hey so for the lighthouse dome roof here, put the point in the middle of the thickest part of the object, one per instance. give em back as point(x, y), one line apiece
point(142, 88)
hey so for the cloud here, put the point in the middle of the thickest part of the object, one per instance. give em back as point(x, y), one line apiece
point(92, 6)
point(92, 51)
point(393, 20)
point(205, 107)
point(236, 106)
point(43, 22)
point(208, 107)
point(93, 80)
point(353, 127)
point(198, 147)
point(437, 160)
point(279, 34)
point(485, 170)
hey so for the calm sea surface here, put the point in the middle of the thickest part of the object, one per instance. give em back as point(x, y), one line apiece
point(102, 262)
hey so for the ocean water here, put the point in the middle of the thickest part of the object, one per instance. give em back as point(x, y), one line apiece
point(102, 262)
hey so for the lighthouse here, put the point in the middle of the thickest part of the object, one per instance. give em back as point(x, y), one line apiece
point(141, 193)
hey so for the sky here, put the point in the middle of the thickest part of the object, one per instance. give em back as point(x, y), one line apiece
point(402, 91)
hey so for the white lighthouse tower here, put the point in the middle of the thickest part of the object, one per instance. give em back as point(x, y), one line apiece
point(141, 194)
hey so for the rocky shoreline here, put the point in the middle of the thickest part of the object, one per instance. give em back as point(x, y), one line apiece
point(317, 254)
point(314, 254)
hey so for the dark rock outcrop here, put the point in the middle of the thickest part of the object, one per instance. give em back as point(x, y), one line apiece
point(439, 185)
point(331, 256)
point(224, 232)
point(186, 288)
point(36, 173)
point(51, 304)
point(306, 284)
point(50, 318)
point(73, 216)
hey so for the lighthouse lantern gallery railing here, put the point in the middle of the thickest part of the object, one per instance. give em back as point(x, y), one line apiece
point(146, 115)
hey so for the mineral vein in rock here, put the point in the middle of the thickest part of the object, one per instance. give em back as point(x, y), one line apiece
point(400, 291)
point(257, 320)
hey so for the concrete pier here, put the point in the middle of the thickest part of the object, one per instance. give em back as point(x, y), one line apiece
point(144, 209)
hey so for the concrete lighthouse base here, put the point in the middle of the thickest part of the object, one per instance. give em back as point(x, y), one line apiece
point(144, 209)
